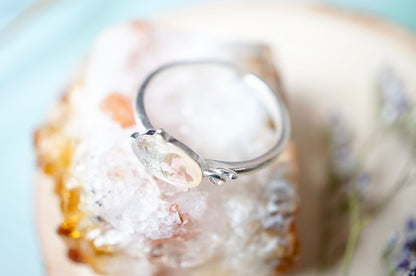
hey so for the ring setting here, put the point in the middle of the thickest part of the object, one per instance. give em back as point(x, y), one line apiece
point(165, 159)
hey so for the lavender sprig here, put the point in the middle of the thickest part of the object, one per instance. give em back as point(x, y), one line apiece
point(396, 112)
point(400, 253)
point(347, 169)
point(347, 192)
point(394, 104)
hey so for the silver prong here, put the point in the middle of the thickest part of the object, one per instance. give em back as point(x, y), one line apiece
point(229, 173)
point(219, 176)
point(162, 132)
point(135, 135)
point(216, 180)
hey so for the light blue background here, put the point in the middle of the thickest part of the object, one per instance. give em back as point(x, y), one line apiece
point(40, 44)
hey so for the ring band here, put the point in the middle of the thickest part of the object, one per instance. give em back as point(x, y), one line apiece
point(174, 162)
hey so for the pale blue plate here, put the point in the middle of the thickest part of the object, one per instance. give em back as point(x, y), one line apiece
point(41, 42)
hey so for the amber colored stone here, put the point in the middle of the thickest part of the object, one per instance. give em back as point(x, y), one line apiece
point(75, 255)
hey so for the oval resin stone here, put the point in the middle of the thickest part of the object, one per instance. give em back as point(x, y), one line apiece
point(167, 161)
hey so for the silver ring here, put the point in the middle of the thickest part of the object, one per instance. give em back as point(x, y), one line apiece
point(174, 162)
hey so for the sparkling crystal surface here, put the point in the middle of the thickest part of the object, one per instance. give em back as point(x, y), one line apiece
point(151, 227)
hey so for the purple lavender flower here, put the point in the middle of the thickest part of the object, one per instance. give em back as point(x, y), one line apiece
point(410, 242)
point(411, 272)
point(341, 156)
point(401, 255)
point(393, 101)
point(362, 184)
point(343, 161)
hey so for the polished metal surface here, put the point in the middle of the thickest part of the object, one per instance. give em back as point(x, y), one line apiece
point(215, 170)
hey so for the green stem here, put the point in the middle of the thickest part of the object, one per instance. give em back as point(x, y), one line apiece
point(354, 206)
point(355, 228)
point(357, 223)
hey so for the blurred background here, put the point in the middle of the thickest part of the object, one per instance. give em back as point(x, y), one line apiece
point(41, 42)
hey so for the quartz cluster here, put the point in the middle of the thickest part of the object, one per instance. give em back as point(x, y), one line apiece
point(121, 220)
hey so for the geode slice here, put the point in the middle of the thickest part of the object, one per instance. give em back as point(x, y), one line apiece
point(116, 217)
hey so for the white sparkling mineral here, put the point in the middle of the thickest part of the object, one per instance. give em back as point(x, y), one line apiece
point(150, 227)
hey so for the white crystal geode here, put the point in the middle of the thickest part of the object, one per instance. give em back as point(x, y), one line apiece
point(140, 225)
